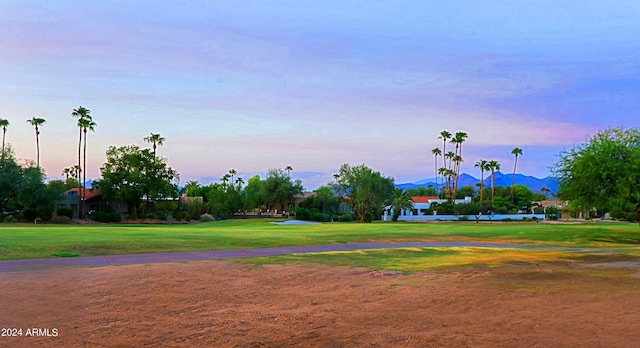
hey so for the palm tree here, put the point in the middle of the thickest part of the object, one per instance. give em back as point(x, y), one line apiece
point(449, 156)
point(67, 172)
point(288, 169)
point(156, 140)
point(36, 122)
point(456, 173)
point(85, 123)
point(436, 152)
point(444, 135)
point(232, 172)
point(483, 165)
point(401, 201)
point(516, 151)
point(546, 192)
point(4, 124)
point(493, 166)
point(80, 113)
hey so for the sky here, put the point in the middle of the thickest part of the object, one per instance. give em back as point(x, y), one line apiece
point(255, 85)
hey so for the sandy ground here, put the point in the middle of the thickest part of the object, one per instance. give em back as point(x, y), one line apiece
point(226, 304)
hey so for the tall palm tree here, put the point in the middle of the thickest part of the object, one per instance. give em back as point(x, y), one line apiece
point(81, 113)
point(233, 173)
point(436, 152)
point(493, 166)
point(156, 140)
point(68, 172)
point(445, 136)
point(483, 165)
point(85, 123)
point(449, 156)
point(457, 160)
point(288, 169)
point(516, 151)
point(4, 123)
point(36, 122)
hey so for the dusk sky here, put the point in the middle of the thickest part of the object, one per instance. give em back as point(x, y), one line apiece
point(254, 85)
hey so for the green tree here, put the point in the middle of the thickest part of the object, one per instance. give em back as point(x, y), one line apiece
point(515, 152)
point(4, 123)
point(156, 140)
point(10, 180)
point(603, 172)
point(130, 173)
point(253, 192)
point(323, 200)
point(279, 191)
point(401, 200)
point(366, 190)
point(36, 123)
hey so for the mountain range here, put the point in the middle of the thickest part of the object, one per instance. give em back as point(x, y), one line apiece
point(534, 184)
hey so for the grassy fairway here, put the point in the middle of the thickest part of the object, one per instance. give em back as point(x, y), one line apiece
point(23, 241)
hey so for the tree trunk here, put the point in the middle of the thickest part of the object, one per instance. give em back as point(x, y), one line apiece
point(37, 148)
point(84, 174)
point(513, 178)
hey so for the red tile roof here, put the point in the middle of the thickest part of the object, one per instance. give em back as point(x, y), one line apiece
point(423, 199)
point(88, 193)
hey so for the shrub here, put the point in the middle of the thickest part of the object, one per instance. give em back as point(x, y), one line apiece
point(303, 214)
point(100, 216)
point(368, 217)
point(206, 218)
point(65, 212)
point(507, 220)
point(464, 218)
point(10, 219)
point(526, 219)
point(29, 214)
point(115, 217)
point(162, 215)
point(133, 216)
point(317, 217)
point(346, 218)
point(61, 219)
point(195, 215)
point(177, 215)
point(538, 210)
point(534, 219)
point(45, 213)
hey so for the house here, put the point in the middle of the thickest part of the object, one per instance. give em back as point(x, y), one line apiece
point(92, 202)
point(420, 206)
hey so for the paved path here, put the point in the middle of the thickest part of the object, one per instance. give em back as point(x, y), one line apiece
point(182, 256)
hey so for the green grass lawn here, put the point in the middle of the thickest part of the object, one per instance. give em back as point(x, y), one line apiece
point(24, 241)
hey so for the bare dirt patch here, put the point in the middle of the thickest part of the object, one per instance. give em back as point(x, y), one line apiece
point(224, 304)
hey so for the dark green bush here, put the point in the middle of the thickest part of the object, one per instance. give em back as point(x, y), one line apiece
point(29, 214)
point(206, 218)
point(162, 215)
point(464, 218)
point(61, 219)
point(317, 217)
point(346, 218)
point(133, 216)
point(303, 214)
point(65, 212)
point(368, 217)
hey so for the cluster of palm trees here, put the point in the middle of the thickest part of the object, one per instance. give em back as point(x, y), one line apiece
point(450, 171)
point(494, 166)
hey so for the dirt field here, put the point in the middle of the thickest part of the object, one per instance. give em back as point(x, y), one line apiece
point(224, 304)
